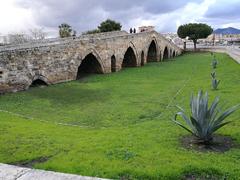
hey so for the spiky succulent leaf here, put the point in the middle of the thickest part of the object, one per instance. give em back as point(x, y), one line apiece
point(184, 127)
point(215, 128)
point(215, 83)
point(225, 114)
point(213, 74)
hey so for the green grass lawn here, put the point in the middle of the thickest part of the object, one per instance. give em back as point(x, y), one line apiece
point(119, 125)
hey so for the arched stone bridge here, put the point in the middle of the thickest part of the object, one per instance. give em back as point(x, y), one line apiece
point(60, 60)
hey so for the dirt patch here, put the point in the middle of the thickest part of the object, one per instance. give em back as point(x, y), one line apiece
point(31, 163)
point(202, 177)
point(219, 144)
point(191, 173)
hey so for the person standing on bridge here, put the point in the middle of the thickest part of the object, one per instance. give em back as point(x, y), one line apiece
point(131, 31)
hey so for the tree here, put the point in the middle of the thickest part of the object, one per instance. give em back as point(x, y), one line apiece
point(17, 38)
point(37, 34)
point(94, 31)
point(194, 32)
point(65, 30)
point(109, 25)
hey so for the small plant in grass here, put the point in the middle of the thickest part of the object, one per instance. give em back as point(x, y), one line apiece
point(204, 120)
point(215, 82)
point(214, 63)
point(213, 74)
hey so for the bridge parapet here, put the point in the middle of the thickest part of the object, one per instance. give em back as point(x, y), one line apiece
point(99, 36)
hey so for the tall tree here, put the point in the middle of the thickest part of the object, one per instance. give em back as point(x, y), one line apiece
point(109, 25)
point(194, 31)
point(65, 30)
point(37, 34)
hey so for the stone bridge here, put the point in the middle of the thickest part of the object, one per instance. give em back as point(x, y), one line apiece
point(59, 60)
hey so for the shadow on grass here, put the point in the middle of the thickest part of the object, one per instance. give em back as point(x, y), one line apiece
point(70, 94)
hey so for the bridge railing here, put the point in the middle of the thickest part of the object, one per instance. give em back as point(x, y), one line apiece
point(88, 37)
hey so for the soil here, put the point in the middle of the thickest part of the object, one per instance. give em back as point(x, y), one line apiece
point(219, 144)
point(31, 163)
point(204, 177)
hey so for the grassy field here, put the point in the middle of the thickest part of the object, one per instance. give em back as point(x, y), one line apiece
point(119, 125)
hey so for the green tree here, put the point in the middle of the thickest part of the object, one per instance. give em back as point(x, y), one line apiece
point(94, 31)
point(109, 25)
point(65, 30)
point(194, 32)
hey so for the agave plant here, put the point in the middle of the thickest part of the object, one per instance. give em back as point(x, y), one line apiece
point(213, 74)
point(215, 83)
point(214, 63)
point(204, 120)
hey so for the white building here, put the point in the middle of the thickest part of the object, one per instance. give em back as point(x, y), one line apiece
point(146, 28)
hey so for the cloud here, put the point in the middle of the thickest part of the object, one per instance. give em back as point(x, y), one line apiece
point(223, 13)
point(85, 15)
point(13, 18)
point(223, 9)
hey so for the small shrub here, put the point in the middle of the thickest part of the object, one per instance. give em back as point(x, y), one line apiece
point(214, 63)
point(204, 120)
point(213, 74)
point(215, 84)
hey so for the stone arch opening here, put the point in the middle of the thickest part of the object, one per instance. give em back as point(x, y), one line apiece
point(165, 53)
point(174, 54)
point(38, 83)
point(152, 52)
point(129, 59)
point(89, 65)
point(113, 64)
point(142, 58)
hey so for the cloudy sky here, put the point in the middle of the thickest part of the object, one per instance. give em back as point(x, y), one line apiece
point(82, 15)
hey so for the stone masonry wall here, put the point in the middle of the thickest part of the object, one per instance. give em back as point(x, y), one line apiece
point(57, 60)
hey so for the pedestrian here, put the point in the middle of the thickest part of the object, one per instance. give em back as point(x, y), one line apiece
point(134, 31)
point(131, 31)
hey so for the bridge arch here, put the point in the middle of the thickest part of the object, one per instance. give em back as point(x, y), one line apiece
point(174, 54)
point(113, 63)
point(165, 53)
point(130, 57)
point(38, 81)
point(90, 65)
point(142, 59)
point(152, 52)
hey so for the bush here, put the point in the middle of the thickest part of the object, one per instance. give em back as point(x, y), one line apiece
point(204, 120)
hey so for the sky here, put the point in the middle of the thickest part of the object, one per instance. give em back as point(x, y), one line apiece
point(166, 15)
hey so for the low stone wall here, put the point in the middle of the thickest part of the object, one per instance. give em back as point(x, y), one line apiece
point(232, 51)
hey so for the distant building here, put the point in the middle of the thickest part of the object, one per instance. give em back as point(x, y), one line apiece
point(146, 28)
point(173, 37)
point(221, 39)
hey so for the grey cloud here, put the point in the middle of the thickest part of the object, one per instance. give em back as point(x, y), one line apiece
point(223, 9)
point(87, 14)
